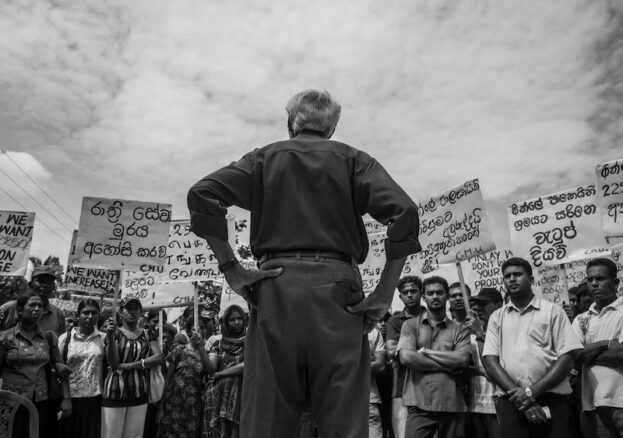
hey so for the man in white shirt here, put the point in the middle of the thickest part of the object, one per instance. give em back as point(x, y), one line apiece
point(601, 330)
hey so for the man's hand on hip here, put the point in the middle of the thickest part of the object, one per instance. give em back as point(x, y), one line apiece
point(372, 307)
point(243, 281)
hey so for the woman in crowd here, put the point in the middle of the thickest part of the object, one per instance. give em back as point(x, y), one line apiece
point(82, 348)
point(180, 409)
point(130, 355)
point(225, 364)
point(25, 353)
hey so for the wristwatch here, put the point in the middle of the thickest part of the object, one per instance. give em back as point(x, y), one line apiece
point(528, 392)
point(229, 264)
point(421, 350)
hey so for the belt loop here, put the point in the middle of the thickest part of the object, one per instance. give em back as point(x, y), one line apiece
point(317, 257)
point(298, 255)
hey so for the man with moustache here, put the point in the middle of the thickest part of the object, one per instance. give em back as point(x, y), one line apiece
point(43, 282)
point(457, 304)
point(601, 330)
point(434, 348)
point(410, 292)
point(529, 350)
point(481, 421)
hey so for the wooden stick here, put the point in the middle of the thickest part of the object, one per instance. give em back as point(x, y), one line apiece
point(463, 288)
point(196, 306)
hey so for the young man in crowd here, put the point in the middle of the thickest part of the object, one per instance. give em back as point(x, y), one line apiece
point(43, 282)
point(601, 330)
point(410, 292)
point(457, 304)
point(434, 348)
point(481, 421)
point(529, 351)
point(377, 365)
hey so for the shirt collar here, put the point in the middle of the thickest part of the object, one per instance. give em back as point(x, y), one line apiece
point(19, 330)
point(77, 334)
point(307, 133)
point(432, 323)
point(535, 303)
point(616, 304)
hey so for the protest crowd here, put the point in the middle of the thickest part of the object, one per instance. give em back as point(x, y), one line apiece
point(305, 353)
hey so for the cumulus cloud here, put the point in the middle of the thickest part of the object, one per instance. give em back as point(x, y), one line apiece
point(140, 99)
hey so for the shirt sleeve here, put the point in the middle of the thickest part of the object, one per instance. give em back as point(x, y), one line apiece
point(379, 343)
point(577, 329)
point(393, 329)
point(381, 197)
point(209, 198)
point(408, 336)
point(564, 337)
point(492, 338)
point(463, 343)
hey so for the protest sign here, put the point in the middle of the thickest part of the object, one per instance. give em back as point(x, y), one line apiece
point(118, 234)
point(89, 280)
point(151, 293)
point(454, 226)
point(557, 228)
point(67, 306)
point(610, 193)
point(16, 229)
point(189, 258)
point(485, 270)
point(617, 256)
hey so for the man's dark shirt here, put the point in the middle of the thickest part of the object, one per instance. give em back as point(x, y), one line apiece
point(394, 325)
point(307, 193)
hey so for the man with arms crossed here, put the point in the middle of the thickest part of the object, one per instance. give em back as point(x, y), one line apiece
point(410, 292)
point(601, 330)
point(434, 348)
point(529, 351)
point(305, 344)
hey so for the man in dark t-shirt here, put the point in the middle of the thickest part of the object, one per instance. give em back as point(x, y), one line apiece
point(307, 195)
point(410, 289)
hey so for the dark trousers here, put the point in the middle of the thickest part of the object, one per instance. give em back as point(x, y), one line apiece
point(612, 418)
point(514, 424)
point(48, 424)
point(482, 426)
point(426, 424)
point(303, 346)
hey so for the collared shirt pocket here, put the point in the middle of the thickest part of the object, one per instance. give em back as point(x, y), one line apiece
point(539, 335)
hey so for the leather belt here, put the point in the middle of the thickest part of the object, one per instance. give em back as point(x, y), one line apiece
point(306, 254)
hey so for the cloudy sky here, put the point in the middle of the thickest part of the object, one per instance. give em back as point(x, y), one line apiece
point(138, 100)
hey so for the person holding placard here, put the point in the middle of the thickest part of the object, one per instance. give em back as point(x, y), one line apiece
point(529, 351)
point(410, 293)
point(601, 330)
point(307, 196)
point(130, 355)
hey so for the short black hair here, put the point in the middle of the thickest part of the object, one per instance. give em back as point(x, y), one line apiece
point(170, 329)
point(602, 261)
point(518, 261)
point(436, 280)
point(458, 284)
point(409, 279)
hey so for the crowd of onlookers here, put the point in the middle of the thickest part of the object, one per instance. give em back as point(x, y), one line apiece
point(95, 374)
point(503, 366)
point(451, 364)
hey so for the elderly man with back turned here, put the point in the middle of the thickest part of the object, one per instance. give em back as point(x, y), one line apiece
point(305, 344)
